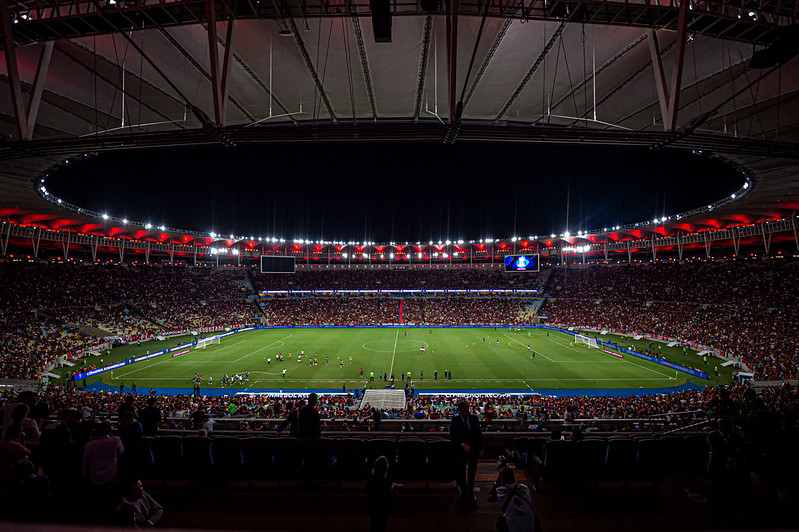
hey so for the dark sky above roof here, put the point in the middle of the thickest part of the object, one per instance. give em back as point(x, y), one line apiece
point(394, 192)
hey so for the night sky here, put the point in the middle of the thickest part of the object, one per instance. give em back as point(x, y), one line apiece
point(393, 192)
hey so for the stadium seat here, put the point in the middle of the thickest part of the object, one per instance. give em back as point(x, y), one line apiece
point(652, 459)
point(559, 460)
point(318, 459)
point(695, 454)
point(288, 458)
point(411, 459)
point(535, 448)
point(672, 452)
point(350, 458)
point(441, 463)
point(168, 456)
point(519, 452)
point(197, 458)
point(146, 467)
point(257, 455)
point(591, 453)
point(380, 447)
point(621, 457)
point(228, 460)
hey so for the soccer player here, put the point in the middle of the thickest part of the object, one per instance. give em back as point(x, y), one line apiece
point(247, 376)
point(284, 373)
point(435, 375)
point(571, 344)
point(362, 373)
point(210, 381)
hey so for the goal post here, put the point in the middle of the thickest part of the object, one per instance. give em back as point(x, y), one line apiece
point(202, 343)
point(585, 340)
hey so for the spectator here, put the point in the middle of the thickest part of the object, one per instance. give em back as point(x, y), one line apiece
point(515, 502)
point(137, 508)
point(308, 420)
point(465, 433)
point(150, 417)
point(381, 491)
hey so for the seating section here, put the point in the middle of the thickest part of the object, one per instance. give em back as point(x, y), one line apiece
point(616, 458)
point(289, 459)
point(421, 459)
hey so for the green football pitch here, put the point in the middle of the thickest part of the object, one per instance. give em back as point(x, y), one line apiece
point(478, 358)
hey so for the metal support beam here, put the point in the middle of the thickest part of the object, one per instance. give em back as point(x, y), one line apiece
point(707, 243)
point(4, 240)
point(219, 79)
point(66, 244)
point(669, 96)
point(606, 250)
point(417, 108)
point(452, 57)
point(736, 239)
point(795, 234)
point(367, 76)
point(36, 241)
point(487, 61)
point(121, 250)
point(526, 79)
point(172, 253)
point(25, 120)
point(195, 254)
point(93, 246)
point(654, 249)
point(147, 253)
point(629, 251)
point(679, 245)
point(306, 57)
point(766, 238)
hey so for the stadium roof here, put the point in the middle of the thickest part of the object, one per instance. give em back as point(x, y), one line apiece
point(106, 75)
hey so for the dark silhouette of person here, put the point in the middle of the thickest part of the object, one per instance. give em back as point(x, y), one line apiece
point(308, 420)
point(381, 491)
point(467, 436)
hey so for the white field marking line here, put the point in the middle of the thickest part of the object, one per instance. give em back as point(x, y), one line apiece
point(262, 348)
point(228, 346)
point(141, 369)
point(394, 352)
point(633, 362)
point(537, 354)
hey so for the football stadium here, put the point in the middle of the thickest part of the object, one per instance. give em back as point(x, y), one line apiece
point(383, 265)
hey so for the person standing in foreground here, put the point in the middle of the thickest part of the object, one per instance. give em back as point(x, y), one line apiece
point(467, 436)
point(308, 420)
point(381, 491)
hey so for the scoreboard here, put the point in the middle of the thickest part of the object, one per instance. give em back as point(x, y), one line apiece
point(521, 263)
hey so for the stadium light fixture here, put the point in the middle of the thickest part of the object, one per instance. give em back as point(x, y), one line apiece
point(148, 226)
point(567, 234)
point(733, 196)
point(162, 228)
point(105, 216)
point(746, 185)
point(125, 221)
point(344, 255)
point(391, 256)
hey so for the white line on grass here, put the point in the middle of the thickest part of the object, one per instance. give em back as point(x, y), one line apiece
point(261, 348)
point(521, 344)
point(393, 352)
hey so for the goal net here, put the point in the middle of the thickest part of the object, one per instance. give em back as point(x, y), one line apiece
point(580, 339)
point(202, 343)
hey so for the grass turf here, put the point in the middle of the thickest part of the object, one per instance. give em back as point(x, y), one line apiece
point(501, 362)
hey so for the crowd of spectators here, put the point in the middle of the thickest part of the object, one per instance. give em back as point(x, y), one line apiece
point(399, 279)
point(745, 309)
point(178, 409)
point(439, 310)
point(51, 310)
